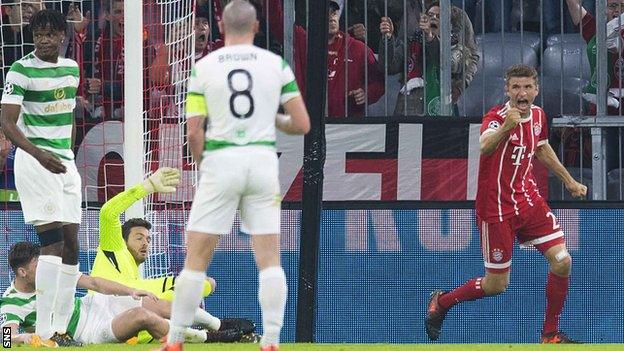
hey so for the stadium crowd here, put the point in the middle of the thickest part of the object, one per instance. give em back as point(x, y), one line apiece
point(376, 63)
point(95, 41)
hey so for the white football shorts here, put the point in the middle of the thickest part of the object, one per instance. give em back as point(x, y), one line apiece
point(237, 177)
point(47, 197)
point(95, 325)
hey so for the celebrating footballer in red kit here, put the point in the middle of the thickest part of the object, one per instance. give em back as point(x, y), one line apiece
point(509, 205)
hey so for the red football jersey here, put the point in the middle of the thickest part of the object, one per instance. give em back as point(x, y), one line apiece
point(506, 183)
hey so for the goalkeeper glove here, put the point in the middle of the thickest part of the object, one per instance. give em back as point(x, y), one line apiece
point(164, 180)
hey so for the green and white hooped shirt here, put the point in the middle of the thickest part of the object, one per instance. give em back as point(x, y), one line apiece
point(239, 88)
point(47, 94)
point(21, 309)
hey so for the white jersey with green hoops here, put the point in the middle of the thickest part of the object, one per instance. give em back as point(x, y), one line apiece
point(47, 94)
point(239, 88)
point(21, 309)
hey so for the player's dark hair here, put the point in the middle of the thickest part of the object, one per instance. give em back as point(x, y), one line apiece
point(131, 223)
point(21, 253)
point(521, 71)
point(49, 19)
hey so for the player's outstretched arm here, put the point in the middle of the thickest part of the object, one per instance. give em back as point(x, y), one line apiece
point(548, 158)
point(297, 121)
point(110, 225)
point(164, 180)
point(8, 120)
point(109, 287)
point(577, 11)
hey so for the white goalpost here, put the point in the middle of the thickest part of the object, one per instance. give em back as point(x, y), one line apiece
point(134, 158)
point(158, 138)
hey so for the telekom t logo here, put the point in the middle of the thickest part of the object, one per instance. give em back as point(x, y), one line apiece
point(518, 154)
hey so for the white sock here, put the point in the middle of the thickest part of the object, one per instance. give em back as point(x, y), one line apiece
point(193, 336)
point(272, 293)
point(47, 284)
point(188, 293)
point(205, 319)
point(64, 305)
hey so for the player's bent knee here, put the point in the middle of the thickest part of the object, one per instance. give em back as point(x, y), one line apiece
point(142, 316)
point(562, 264)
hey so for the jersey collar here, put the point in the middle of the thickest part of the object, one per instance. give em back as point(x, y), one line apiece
point(19, 294)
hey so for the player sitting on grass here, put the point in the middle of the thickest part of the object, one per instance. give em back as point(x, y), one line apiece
point(124, 247)
point(113, 313)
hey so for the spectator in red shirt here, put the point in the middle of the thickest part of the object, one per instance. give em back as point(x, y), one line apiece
point(346, 57)
point(109, 57)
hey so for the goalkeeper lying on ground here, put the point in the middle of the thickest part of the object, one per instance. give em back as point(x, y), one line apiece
point(124, 247)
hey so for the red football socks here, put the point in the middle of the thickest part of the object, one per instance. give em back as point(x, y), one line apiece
point(470, 291)
point(556, 292)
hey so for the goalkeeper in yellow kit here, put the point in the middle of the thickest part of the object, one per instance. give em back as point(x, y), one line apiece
point(124, 247)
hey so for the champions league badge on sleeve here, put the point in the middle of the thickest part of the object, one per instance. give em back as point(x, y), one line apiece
point(494, 125)
point(8, 88)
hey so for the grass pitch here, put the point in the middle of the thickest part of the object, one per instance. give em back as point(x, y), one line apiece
point(361, 347)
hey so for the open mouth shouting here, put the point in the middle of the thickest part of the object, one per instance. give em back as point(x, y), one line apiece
point(523, 104)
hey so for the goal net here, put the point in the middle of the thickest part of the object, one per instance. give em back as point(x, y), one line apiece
point(164, 137)
point(95, 40)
